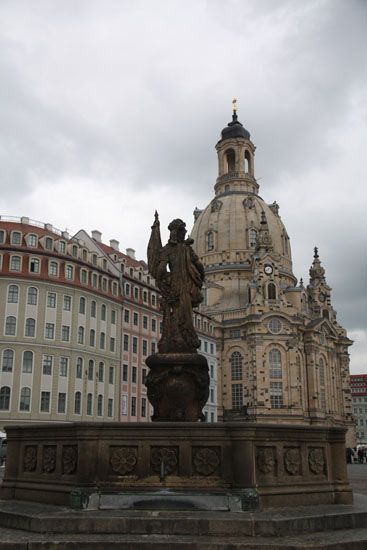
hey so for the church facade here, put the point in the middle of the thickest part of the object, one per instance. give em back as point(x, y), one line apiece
point(282, 356)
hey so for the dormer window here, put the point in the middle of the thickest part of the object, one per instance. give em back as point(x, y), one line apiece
point(32, 240)
point(16, 238)
point(74, 251)
point(48, 243)
point(94, 259)
point(62, 247)
point(84, 255)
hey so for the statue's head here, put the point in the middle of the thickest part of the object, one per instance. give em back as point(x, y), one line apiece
point(177, 230)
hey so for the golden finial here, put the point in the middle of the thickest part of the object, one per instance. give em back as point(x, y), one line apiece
point(234, 105)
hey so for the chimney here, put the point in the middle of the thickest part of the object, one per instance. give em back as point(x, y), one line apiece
point(114, 244)
point(131, 253)
point(97, 235)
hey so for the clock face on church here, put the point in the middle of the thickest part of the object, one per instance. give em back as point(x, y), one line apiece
point(268, 269)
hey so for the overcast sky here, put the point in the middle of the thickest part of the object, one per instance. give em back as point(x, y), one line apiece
point(110, 109)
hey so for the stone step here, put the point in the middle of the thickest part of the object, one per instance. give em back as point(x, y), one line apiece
point(328, 540)
point(41, 518)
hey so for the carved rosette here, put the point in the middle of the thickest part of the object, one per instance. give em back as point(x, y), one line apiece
point(265, 460)
point(167, 455)
point(205, 461)
point(69, 459)
point(292, 461)
point(123, 460)
point(30, 458)
point(316, 460)
point(49, 459)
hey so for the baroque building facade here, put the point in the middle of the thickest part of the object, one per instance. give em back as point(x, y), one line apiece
point(78, 318)
point(282, 356)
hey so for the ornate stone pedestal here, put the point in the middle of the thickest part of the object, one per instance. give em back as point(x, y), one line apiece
point(178, 386)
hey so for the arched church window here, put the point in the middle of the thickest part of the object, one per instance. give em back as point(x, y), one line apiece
point(236, 365)
point(210, 241)
point(275, 363)
point(247, 162)
point(230, 160)
point(272, 291)
point(249, 294)
point(252, 237)
point(321, 372)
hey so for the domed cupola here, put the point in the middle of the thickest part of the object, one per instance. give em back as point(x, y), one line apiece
point(235, 129)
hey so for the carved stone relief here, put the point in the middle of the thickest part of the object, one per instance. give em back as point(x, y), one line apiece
point(168, 456)
point(69, 459)
point(123, 460)
point(316, 460)
point(49, 459)
point(30, 458)
point(293, 461)
point(206, 460)
point(216, 205)
point(266, 460)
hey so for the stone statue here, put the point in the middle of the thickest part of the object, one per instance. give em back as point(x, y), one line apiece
point(178, 380)
point(179, 276)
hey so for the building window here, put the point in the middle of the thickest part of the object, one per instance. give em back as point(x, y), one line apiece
point(153, 348)
point(252, 238)
point(145, 347)
point(53, 269)
point(144, 375)
point(102, 340)
point(77, 402)
point(15, 263)
point(82, 306)
point(135, 344)
point(145, 296)
point(100, 405)
point(34, 265)
point(16, 238)
point(235, 333)
point(67, 303)
point(111, 375)
point(143, 407)
point(4, 398)
point(133, 406)
point(236, 366)
point(32, 296)
point(30, 327)
point(134, 375)
point(113, 317)
point(79, 368)
point(101, 372)
point(89, 404)
point(51, 299)
point(10, 326)
point(74, 251)
point(62, 247)
point(237, 396)
point(8, 360)
point(64, 361)
point(45, 401)
point(65, 333)
point(154, 325)
point(126, 342)
point(90, 369)
point(110, 408)
point(47, 364)
point(50, 331)
point(25, 399)
point(94, 280)
point(212, 396)
point(103, 312)
point(145, 322)
point(83, 276)
point(212, 371)
point(136, 293)
point(276, 395)
point(93, 308)
point(125, 370)
point(48, 243)
point(32, 240)
point(81, 335)
point(275, 364)
point(61, 403)
point(2, 236)
point(127, 289)
point(112, 344)
point(13, 294)
point(272, 292)
point(275, 325)
point(69, 272)
point(135, 319)
point(210, 241)
point(92, 338)
point(154, 300)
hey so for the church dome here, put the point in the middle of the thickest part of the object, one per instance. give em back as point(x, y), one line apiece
point(235, 129)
